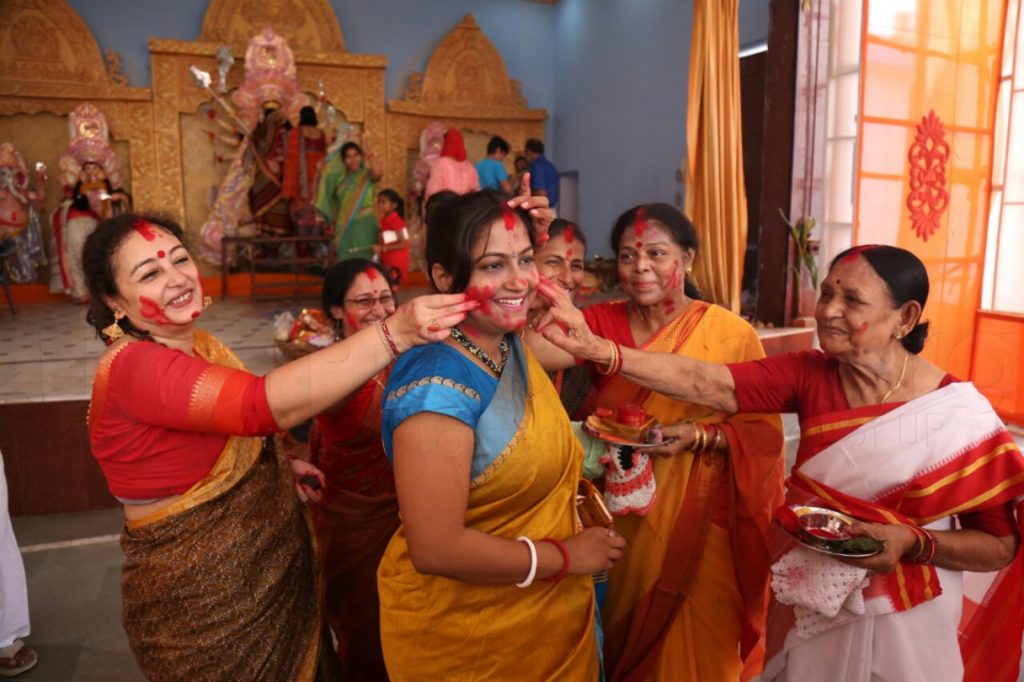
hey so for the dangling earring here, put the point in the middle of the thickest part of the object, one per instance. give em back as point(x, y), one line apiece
point(113, 330)
point(207, 302)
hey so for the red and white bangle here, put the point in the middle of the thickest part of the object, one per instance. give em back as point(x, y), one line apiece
point(382, 329)
point(565, 560)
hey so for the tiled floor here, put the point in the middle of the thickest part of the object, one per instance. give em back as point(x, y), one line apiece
point(49, 352)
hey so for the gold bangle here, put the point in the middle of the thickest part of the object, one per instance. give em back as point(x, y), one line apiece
point(699, 437)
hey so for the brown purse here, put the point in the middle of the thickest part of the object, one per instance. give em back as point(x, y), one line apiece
point(591, 507)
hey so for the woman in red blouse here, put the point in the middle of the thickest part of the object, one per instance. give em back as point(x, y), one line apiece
point(359, 510)
point(219, 579)
point(920, 458)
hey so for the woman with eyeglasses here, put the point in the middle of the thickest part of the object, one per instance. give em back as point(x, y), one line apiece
point(358, 513)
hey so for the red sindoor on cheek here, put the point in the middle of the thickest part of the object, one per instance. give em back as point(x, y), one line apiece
point(152, 311)
point(483, 296)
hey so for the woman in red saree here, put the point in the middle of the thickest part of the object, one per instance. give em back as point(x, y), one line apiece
point(359, 510)
point(920, 458)
point(679, 606)
point(220, 579)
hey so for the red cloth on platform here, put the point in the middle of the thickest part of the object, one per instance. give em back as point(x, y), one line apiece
point(808, 383)
point(155, 434)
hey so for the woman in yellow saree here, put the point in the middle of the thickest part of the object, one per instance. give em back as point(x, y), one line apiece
point(488, 576)
point(679, 607)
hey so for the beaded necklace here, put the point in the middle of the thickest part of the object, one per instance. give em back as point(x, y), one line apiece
point(479, 353)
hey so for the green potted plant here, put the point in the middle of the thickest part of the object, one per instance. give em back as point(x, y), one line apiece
point(804, 269)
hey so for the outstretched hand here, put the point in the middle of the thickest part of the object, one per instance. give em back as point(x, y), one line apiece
point(536, 207)
point(563, 325)
point(426, 319)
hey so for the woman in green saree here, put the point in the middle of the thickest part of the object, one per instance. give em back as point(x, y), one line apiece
point(345, 195)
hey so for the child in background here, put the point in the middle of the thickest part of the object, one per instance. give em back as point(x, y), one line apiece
point(394, 236)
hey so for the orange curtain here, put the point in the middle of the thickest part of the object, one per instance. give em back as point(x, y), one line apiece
point(929, 75)
point(716, 200)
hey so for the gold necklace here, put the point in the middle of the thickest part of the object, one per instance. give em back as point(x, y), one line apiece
point(903, 373)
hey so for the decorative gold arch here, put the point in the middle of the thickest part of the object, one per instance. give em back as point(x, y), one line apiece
point(353, 83)
point(49, 63)
point(309, 23)
point(465, 85)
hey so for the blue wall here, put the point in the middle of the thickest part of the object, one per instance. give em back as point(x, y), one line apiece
point(620, 107)
point(612, 74)
point(406, 31)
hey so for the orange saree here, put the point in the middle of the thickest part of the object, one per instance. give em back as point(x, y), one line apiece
point(679, 607)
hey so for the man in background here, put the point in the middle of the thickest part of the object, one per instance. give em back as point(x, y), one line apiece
point(543, 174)
point(491, 168)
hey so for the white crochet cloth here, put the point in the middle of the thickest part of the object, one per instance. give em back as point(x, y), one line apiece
point(823, 591)
point(629, 491)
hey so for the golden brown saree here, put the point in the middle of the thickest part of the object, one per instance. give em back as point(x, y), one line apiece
point(221, 584)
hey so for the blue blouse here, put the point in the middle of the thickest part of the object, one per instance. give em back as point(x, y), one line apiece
point(435, 378)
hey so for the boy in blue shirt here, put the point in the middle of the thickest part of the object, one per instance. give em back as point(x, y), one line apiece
point(543, 174)
point(492, 168)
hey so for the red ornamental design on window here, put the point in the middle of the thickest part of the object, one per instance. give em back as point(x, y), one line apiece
point(928, 156)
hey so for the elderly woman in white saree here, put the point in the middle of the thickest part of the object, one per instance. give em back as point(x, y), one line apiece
point(918, 457)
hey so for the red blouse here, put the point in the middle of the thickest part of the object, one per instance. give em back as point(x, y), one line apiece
point(808, 383)
point(163, 417)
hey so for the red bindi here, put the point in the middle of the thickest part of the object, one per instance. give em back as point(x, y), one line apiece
point(568, 254)
point(152, 311)
point(639, 245)
point(145, 229)
point(160, 254)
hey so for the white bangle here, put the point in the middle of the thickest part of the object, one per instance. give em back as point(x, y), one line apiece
point(533, 562)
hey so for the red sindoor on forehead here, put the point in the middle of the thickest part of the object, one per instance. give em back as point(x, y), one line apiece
point(371, 272)
point(570, 236)
point(856, 251)
point(145, 229)
point(640, 222)
point(509, 217)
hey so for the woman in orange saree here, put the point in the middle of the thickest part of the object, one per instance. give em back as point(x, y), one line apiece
point(678, 606)
point(359, 510)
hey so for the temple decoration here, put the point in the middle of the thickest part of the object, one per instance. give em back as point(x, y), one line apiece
point(464, 85)
point(51, 63)
point(90, 174)
point(251, 189)
point(310, 23)
point(187, 118)
point(929, 194)
point(19, 213)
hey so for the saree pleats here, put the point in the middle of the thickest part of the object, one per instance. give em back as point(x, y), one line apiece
point(233, 577)
point(717, 628)
point(433, 628)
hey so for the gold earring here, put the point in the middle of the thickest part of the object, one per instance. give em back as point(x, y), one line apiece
point(207, 302)
point(897, 334)
point(113, 331)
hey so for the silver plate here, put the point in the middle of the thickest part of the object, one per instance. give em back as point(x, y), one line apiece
point(820, 518)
